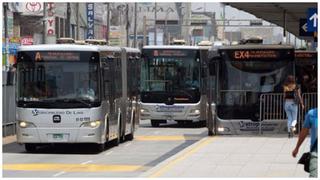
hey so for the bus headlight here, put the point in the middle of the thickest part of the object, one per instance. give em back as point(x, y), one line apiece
point(144, 111)
point(195, 111)
point(220, 129)
point(92, 124)
point(25, 124)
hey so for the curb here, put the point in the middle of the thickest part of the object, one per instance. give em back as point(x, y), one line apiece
point(166, 163)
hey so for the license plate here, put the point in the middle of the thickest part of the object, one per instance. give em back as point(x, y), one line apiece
point(57, 136)
point(168, 116)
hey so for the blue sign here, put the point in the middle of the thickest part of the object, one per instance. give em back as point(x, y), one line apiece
point(90, 20)
point(303, 29)
point(312, 20)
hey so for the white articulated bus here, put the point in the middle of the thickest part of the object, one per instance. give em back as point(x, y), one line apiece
point(173, 84)
point(69, 93)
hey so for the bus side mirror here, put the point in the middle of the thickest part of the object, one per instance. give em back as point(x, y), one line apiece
point(212, 66)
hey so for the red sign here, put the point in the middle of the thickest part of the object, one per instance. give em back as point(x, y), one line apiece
point(33, 6)
point(27, 41)
point(50, 20)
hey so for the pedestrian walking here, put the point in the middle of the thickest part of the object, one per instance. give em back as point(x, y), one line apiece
point(292, 97)
point(310, 123)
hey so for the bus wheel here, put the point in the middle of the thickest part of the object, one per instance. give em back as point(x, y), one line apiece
point(100, 147)
point(155, 123)
point(130, 136)
point(30, 147)
point(118, 139)
point(210, 133)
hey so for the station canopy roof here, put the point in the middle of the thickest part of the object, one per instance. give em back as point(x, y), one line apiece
point(274, 13)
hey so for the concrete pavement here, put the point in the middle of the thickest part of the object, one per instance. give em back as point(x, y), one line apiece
point(235, 156)
point(231, 156)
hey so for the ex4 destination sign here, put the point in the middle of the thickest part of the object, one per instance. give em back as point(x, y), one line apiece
point(257, 55)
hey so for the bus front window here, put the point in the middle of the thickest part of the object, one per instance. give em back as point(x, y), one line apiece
point(57, 81)
point(242, 83)
point(171, 72)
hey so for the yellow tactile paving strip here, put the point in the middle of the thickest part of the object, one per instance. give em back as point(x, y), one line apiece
point(71, 167)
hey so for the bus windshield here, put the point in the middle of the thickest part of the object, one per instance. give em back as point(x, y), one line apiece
point(57, 84)
point(171, 71)
point(306, 66)
point(242, 81)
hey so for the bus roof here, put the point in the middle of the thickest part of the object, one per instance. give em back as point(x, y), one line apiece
point(255, 46)
point(67, 47)
point(170, 47)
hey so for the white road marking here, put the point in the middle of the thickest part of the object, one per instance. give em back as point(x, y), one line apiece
point(86, 162)
point(59, 173)
point(126, 145)
point(108, 153)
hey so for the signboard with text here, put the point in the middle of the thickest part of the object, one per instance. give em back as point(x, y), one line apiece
point(28, 40)
point(90, 20)
point(303, 31)
point(312, 20)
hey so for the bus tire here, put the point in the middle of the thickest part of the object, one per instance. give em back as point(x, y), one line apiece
point(118, 139)
point(30, 147)
point(155, 123)
point(100, 147)
point(131, 135)
point(210, 133)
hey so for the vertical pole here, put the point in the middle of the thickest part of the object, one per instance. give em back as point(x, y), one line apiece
point(108, 23)
point(77, 21)
point(135, 26)
point(5, 14)
point(165, 32)
point(144, 30)
point(224, 22)
point(44, 23)
point(155, 23)
point(127, 24)
point(284, 26)
point(67, 30)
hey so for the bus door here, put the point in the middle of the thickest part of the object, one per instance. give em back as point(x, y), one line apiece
point(110, 88)
point(211, 91)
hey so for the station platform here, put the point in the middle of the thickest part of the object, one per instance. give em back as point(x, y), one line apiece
point(235, 156)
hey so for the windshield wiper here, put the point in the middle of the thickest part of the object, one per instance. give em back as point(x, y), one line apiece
point(186, 93)
point(66, 100)
point(83, 102)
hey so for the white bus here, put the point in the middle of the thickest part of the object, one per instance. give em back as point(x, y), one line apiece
point(247, 85)
point(173, 84)
point(69, 93)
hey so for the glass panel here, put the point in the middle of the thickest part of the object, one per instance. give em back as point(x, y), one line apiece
point(242, 83)
point(171, 72)
point(57, 80)
point(168, 73)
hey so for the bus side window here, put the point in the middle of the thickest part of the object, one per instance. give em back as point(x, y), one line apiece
point(106, 76)
point(213, 66)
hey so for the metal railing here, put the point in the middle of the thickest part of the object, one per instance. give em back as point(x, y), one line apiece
point(8, 110)
point(272, 107)
point(310, 101)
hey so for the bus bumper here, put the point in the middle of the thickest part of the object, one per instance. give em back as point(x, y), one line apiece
point(65, 135)
point(183, 112)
